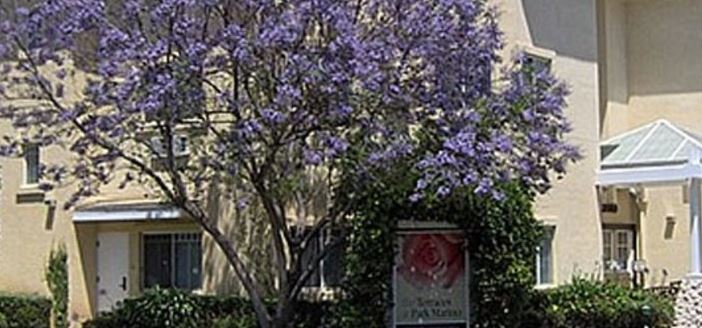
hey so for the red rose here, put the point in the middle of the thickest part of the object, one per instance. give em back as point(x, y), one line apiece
point(431, 259)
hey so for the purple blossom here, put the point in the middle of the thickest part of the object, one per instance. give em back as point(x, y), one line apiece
point(304, 84)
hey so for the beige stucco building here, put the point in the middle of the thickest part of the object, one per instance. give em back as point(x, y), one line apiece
point(628, 63)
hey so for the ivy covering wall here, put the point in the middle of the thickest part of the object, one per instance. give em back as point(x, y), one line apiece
point(57, 281)
point(502, 238)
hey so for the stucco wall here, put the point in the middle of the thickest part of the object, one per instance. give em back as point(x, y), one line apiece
point(31, 227)
point(567, 31)
point(614, 33)
point(656, 45)
point(653, 67)
point(666, 237)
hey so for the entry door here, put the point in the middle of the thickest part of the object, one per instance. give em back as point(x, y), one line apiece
point(113, 269)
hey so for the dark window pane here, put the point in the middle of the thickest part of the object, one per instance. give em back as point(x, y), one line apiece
point(311, 252)
point(31, 161)
point(188, 261)
point(546, 258)
point(157, 261)
point(333, 266)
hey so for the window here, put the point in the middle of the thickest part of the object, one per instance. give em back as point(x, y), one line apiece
point(544, 258)
point(31, 164)
point(617, 248)
point(172, 260)
point(179, 144)
point(534, 63)
point(330, 270)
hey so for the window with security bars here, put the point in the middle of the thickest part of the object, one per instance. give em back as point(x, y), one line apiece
point(172, 260)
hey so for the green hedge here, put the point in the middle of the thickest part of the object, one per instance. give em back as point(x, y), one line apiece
point(169, 308)
point(22, 311)
point(585, 304)
point(502, 239)
point(57, 280)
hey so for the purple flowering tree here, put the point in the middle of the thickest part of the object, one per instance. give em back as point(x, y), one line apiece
point(267, 90)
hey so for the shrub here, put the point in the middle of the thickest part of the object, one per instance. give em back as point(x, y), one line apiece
point(502, 238)
point(157, 308)
point(585, 304)
point(234, 322)
point(57, 280)
point(169, 308)
point(21, 311)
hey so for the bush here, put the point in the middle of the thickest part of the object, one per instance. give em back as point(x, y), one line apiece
point(3, 321)
point(502, 239)
point(169, 308)
point(21, 311)
point(157, 308)
point(57, 280)
point(235, 322)
point(585, 304)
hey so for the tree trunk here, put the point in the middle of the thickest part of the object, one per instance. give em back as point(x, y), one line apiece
point(262, 315)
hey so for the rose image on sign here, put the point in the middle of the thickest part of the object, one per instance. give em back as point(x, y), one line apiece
point(430, 280)
point(432, 259)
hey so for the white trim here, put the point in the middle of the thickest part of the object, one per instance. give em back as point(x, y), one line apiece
point(126, 215)
point(633, 165)
point(537, 51)
point(170, 232)
point(610, 141)
point(678, 150)
point(545, 286)
point(683, 133)
point(695, 228)
point(551, 231)
point(24, 187)
point(648, 175)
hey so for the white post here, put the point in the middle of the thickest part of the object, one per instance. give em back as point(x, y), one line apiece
point(695, 228)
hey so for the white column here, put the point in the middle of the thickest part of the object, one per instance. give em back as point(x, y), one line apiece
point(695, 228)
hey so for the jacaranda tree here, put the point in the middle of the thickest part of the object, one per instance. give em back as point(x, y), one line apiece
point(268, 90)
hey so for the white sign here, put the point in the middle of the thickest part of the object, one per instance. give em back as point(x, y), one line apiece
point(430, 280)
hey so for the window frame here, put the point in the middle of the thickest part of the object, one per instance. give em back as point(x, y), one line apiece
point(550, 235)
point(614, 231)
point(26, 184)
point(178, 141)
point(534, 51)
point(544, 61)
point(547, 56)
point(172, 256)
point(323, 284)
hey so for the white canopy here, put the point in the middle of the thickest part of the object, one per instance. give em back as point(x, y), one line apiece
point(126, 212)
point(658, 153)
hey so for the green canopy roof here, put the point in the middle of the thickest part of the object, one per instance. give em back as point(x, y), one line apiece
point(655, 144)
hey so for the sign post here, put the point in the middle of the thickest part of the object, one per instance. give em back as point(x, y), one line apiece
point(430, 278)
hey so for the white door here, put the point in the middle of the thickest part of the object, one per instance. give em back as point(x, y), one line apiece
point(113, 269)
